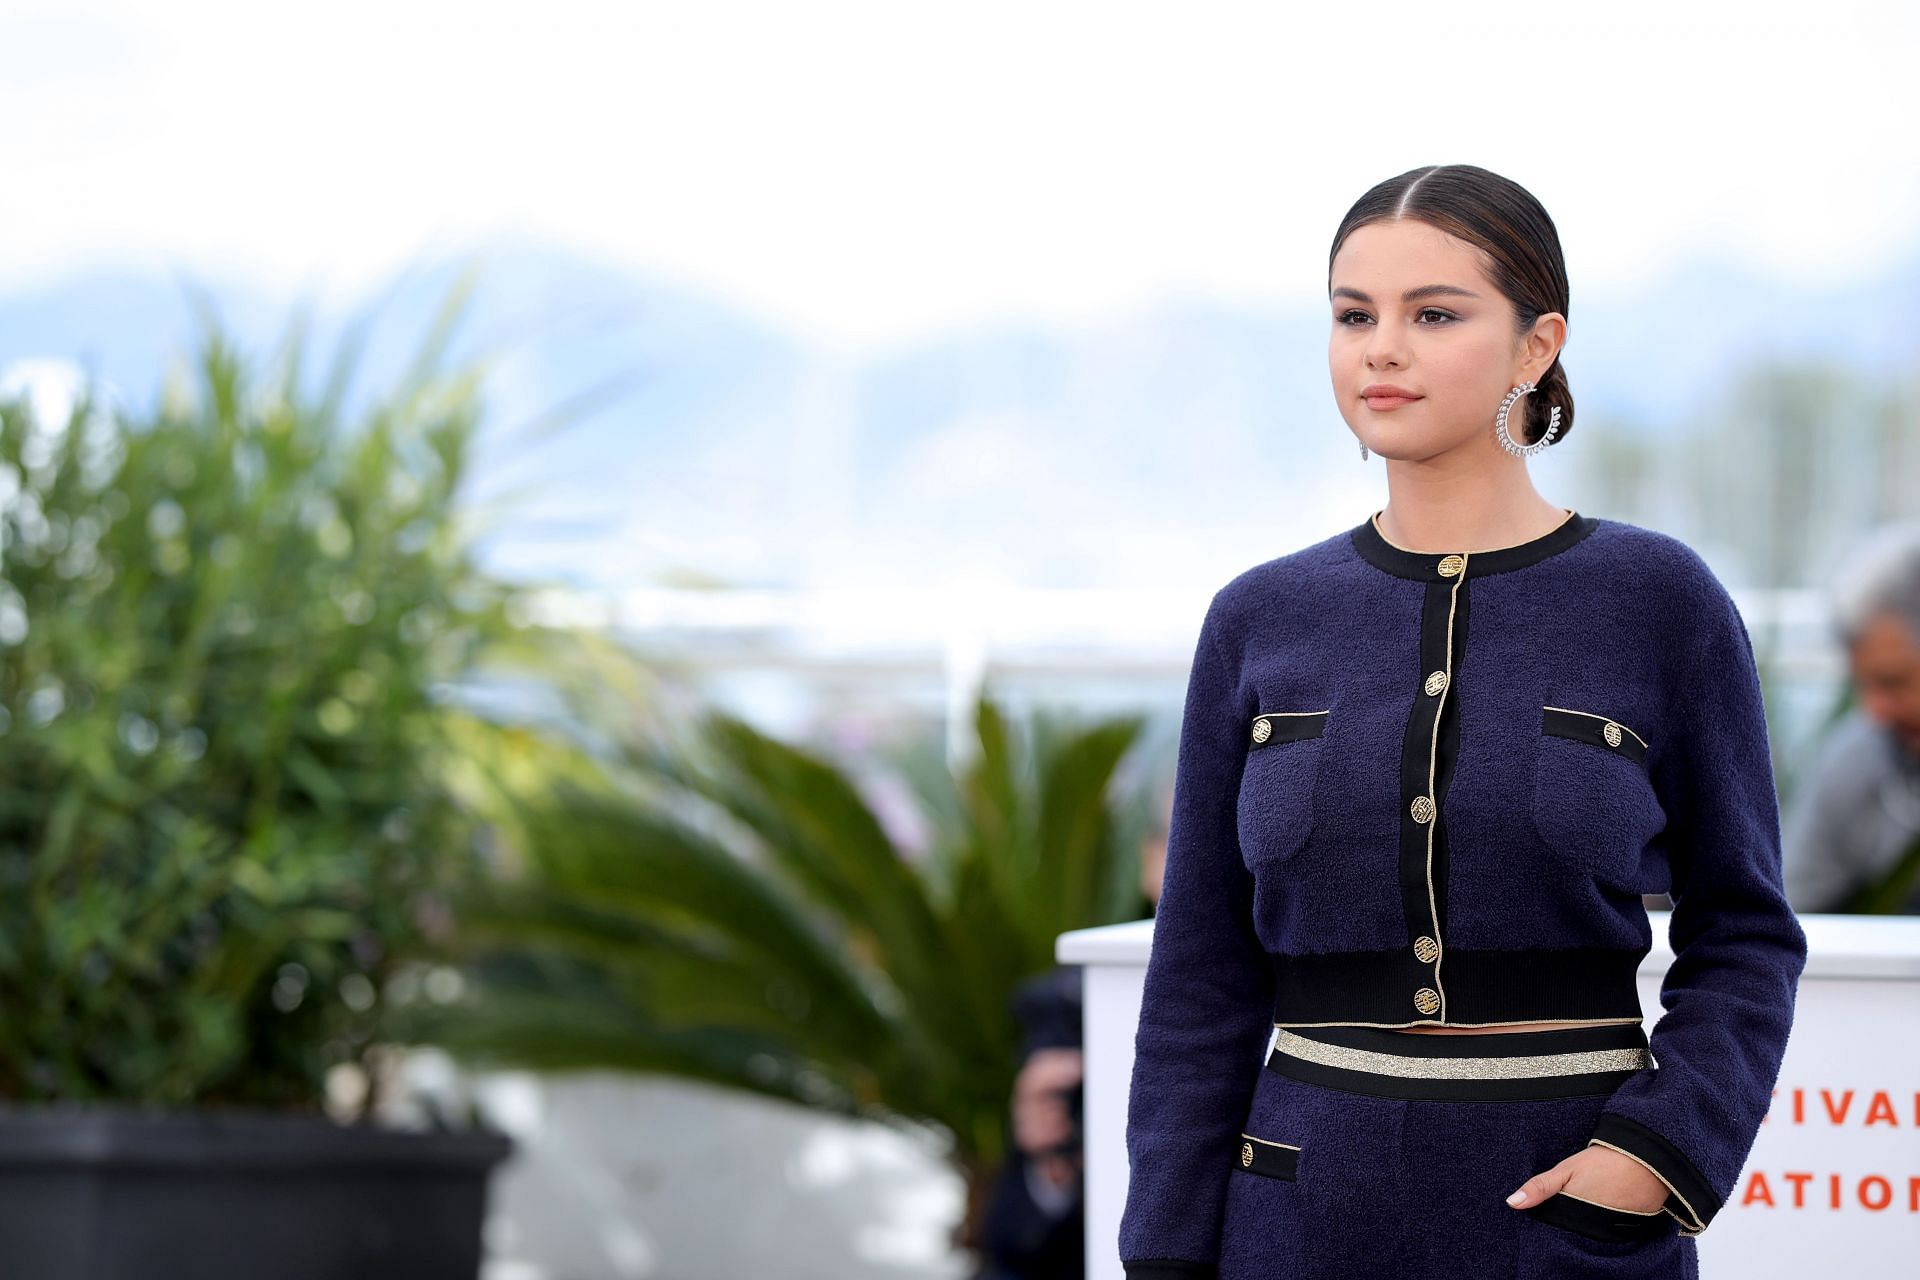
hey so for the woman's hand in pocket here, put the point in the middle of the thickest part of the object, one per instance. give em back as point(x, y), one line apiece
point(1599, 1174)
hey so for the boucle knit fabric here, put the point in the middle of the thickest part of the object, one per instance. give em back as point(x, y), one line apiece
point(1425, 788)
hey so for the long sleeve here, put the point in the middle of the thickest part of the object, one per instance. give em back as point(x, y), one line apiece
point(1206, 1010)
point(1739, 951)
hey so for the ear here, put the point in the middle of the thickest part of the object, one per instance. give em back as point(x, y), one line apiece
point(1544, 343)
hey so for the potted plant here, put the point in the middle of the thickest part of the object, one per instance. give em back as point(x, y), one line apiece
point(228, 819)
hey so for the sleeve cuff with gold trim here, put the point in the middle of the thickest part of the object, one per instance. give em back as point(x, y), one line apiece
point(1690, 1197)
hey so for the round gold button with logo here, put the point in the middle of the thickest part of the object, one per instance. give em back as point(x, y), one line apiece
point(1246, 1155)
point(1452, 564)
point(1436, 682)
point(1611, 732)
point(1425, 948)
point(1422, 809)
point(1426, 999)
point(1262, 729)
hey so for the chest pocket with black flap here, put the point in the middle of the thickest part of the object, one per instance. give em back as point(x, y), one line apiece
point(1276, 790)
point(1593, 798)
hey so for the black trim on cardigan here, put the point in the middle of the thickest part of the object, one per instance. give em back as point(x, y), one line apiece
point(1487, 986)
point(1591, 726)
point(1445, 754)
point(1287, 726)
point(1424, 566)
point(1420, 894)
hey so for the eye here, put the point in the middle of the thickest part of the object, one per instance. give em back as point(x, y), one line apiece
point(1347, 317)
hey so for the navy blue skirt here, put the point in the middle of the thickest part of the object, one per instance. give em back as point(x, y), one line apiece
point(1371, 1153)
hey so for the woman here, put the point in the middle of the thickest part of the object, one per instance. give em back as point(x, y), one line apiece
point(1428, 768)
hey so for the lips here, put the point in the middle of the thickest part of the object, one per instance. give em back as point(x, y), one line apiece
point(1385, 395)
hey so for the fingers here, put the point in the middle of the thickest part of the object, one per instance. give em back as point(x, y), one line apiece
point(1041, 1117)
point(1040, 1124)
point(1540, 1186)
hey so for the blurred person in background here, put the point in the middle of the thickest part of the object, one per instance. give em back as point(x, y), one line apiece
point(1854, 822)
point(1036, 1223)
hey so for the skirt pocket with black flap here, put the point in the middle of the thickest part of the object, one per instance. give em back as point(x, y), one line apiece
point(1266, 1207)
point(1267, 1158)
point(1598, 1221)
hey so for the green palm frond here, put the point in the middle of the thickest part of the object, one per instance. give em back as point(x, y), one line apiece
point(731, 908)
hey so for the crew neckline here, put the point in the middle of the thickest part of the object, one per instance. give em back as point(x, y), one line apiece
point(1446, 566)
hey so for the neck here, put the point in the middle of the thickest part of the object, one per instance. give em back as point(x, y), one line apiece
point(1444, 525)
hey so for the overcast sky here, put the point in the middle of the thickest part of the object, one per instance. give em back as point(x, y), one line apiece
point(867, 174)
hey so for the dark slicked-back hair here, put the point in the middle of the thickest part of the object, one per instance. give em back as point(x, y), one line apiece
point(1521, 249)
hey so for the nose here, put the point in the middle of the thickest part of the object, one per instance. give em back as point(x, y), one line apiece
point(1382, 354)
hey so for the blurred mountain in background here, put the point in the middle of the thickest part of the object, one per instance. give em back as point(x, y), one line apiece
point(1164, 447)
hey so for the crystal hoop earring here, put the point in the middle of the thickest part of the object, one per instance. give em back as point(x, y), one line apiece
point(1506, 439)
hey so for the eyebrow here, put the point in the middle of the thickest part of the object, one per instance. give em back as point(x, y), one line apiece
point(1411, 295)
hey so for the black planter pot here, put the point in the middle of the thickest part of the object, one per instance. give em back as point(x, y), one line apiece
point(108, 1193)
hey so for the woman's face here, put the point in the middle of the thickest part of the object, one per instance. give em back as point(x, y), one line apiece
point(1451, 346)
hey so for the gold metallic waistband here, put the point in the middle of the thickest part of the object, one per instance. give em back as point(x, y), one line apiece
point(1521, 1064)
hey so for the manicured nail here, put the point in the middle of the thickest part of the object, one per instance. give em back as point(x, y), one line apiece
point(1517, 1197)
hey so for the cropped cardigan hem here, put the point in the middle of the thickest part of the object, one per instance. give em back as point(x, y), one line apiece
point(1487, 987)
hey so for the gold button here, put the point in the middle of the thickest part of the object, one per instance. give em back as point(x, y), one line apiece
point(1452, 565)
point(1246, 1155)
point(1422, 809)
point(1262, 729)
point(1426, 999)
point(1611, 732)
point(1425, 948)
point(1436, 682)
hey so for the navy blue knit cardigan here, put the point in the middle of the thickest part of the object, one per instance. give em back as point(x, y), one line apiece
point(1424, 788)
